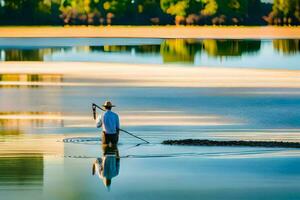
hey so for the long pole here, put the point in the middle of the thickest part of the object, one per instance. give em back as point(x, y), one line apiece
point(94, 106)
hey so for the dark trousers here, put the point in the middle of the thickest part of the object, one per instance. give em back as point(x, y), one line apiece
point(110, 138)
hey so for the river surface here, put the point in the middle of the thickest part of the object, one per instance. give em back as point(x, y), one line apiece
point(163, 89)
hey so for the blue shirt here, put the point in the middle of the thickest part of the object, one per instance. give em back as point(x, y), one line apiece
point(109, 122)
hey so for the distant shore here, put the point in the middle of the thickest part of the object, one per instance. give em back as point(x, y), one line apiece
point(216, 32)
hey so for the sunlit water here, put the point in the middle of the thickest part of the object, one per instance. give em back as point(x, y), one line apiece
point(163, 89)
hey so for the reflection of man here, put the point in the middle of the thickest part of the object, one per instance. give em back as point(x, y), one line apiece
point(110, 124)
point(108, 166)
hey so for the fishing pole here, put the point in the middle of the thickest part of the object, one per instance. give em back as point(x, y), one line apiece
point(94, 106)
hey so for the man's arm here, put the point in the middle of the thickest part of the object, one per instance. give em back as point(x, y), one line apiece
point(99, 122)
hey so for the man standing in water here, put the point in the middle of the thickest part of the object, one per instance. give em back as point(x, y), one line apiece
point(110, 124)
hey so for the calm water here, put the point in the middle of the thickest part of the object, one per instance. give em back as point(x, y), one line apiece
point(217, 53)
point(163, 89)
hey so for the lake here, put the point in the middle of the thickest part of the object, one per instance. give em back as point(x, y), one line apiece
point(251, 53)
point(164, 89)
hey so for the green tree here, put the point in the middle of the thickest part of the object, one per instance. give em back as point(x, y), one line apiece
point(48, 11)
point(234, 10)
point(26, 10)
point(148, 12)
point(115, 9)
point(29, 12)
point(138, 12)
point(210, 7)
point(285, 12)
point(75, 11)
point(177, 8)
point(254, 12)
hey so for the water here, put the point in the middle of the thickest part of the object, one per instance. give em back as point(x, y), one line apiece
point(163, 89)
point(280, 53)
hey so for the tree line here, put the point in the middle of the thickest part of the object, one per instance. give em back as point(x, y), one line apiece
point(149, 12)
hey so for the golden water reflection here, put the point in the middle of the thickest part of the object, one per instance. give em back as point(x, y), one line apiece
point(25, 78)
point(10, 131)
point(13, 123)
point(287, 46)
point(28, 54)
point(220, 48)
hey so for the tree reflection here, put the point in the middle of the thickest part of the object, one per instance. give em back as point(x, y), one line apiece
point(179, 50)
point(16, 171)
point(9, 131)
point(20, 55)
point(31, 78)
point(171, 50)
point(287, 46)
point(18, 120)
point(122, 48)
point(228, 48)
point(27, 54)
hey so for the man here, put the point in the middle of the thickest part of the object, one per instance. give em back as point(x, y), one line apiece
point(110, 124)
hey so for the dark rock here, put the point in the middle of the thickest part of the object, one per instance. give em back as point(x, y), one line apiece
point(197, 142)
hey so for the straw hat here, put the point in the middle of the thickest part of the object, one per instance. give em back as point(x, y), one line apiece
point(108, 104)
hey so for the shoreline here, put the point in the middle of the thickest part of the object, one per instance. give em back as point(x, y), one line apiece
point(163, 32)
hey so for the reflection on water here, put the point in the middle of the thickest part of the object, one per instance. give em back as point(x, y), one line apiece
point(27, 54)
point(287, 46)
point(18, 123)
point(172, 50)
point(178, 50)
point(31, 77)
point(108, 166)
point(29, 80)
point(16, 120)
point(194, 51)
point(227, 48)
point(21, 171)
point(4, 131)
